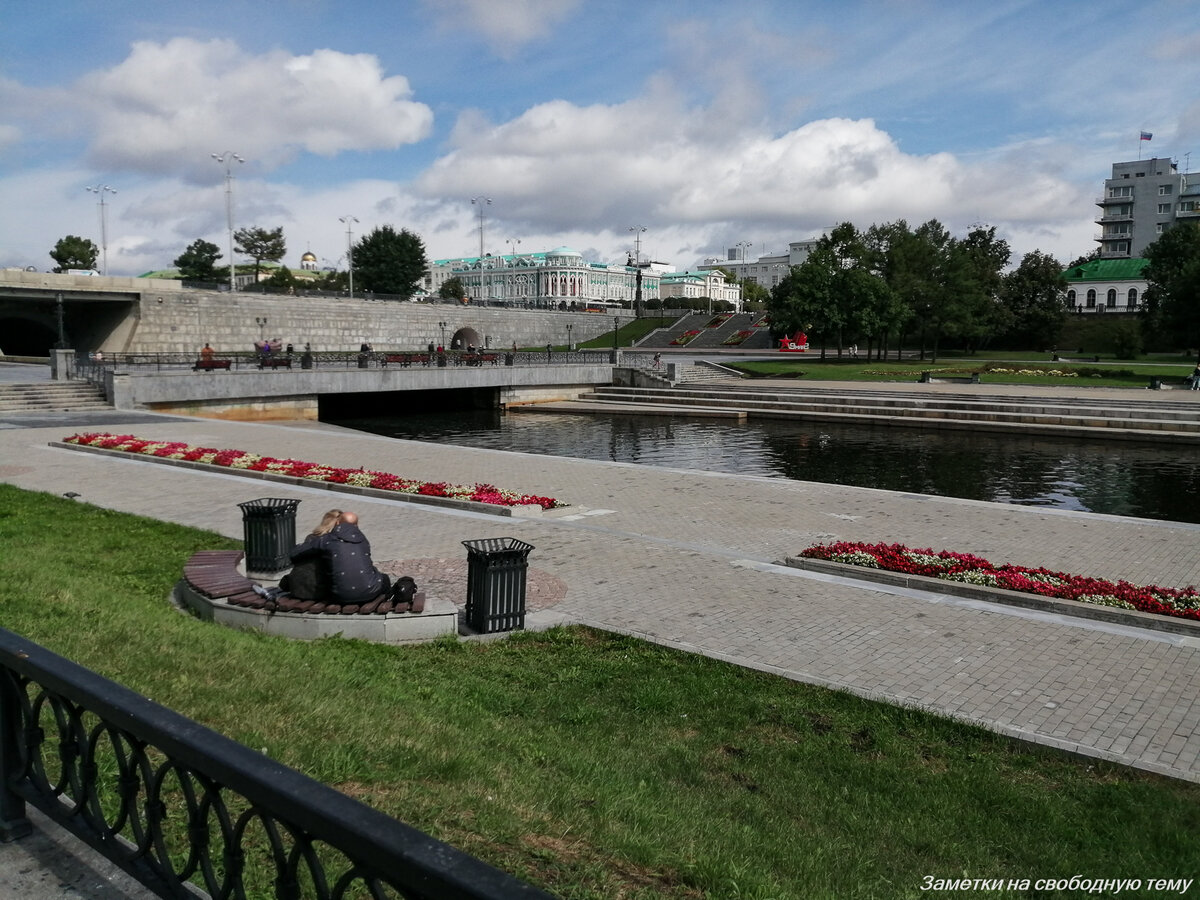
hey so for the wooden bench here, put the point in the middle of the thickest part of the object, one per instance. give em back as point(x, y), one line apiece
point(478, 359)
point(214, 574)
point(406, 359)
point(210, 364)
point(274, 362)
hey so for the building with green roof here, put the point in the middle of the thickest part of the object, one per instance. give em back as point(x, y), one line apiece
point(1106, 285)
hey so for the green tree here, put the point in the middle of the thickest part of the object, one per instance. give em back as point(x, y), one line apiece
point(452, 289)
point(981, 258)
point(198, 262)
point(1034, 295)
point(1173, 290)
point(72, 252)
point(260, 244)
point(281, 280)
point(389, 262)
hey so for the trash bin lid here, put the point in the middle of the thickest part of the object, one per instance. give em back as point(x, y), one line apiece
point(497, 545)
point(268, 506)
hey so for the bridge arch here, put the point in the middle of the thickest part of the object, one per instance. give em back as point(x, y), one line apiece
point(27, 335)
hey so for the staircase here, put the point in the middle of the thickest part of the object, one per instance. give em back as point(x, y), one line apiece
point(53, 396)
point(1104, 418)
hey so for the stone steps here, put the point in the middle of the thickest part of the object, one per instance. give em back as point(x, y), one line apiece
point(1110, 419)
point(51, 396)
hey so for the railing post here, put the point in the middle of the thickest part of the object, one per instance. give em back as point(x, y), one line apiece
point(13, 822)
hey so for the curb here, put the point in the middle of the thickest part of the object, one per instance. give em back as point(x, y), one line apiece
point(1091, 611)
point(494, 509)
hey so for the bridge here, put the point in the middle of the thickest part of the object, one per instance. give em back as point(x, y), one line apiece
point(301, 387)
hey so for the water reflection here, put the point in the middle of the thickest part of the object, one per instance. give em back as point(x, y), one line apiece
point(1150, 481)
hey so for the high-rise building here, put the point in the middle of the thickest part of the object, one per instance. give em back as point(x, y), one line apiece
point(1140, 202)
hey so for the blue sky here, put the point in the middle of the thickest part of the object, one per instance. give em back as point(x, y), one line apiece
point(707, 123)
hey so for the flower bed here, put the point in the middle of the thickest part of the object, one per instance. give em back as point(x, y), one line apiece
point(252, 462)
point(686, 338)
point(1181, 603)
point(762, 321)
point(718, 320)
point(737, 338)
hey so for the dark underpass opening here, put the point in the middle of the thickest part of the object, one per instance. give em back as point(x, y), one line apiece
point(338, 408)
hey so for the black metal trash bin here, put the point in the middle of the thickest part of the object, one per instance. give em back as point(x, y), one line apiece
point(269, 526)
point(496, 569)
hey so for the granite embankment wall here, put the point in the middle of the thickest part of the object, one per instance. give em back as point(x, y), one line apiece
point(139, 315)
point(185, 320)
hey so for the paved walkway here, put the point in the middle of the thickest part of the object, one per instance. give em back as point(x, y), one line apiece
point(689, 559)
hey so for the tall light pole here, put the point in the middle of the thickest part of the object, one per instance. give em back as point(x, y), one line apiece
point(744, 245)
point(100, 189)
point(481, 202)
point(227, 159)
point(347, 220)
point(512, 247)
point(638, 231)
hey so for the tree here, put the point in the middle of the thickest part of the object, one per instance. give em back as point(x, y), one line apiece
point(452, 289)
point(1034, 296)
point(389, 262)
point(198, 261)
point(260, 244)
point(1173, 290)
point(72, 252)
point(281, 280)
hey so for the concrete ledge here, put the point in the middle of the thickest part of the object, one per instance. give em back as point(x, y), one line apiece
point(440, 617)
point(526, 511)
point(1092, 611)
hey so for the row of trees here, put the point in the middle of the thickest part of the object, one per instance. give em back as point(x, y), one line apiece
point(892, 281)
point(385, 261)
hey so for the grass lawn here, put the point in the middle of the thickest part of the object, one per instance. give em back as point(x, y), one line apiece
point(1010, 370)
point(594, 765)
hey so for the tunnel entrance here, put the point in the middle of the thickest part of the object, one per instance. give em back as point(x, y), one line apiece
point(334, 407)
point(25, 337)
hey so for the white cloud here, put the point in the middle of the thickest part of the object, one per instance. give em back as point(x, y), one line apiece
point(506, 26)
point(654, 161)
point(167, 106)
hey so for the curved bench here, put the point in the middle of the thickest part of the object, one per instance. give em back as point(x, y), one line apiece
point(215, 589)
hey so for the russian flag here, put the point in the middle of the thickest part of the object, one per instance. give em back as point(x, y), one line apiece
point(1145, 136)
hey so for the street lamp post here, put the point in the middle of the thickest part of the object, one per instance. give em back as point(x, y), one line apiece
point(100, 189)
point(261, 322)
point(226, 159)
point(347, 220)
point(481, 202)
point(442, 325)
point(570, 347)
point(638, 231)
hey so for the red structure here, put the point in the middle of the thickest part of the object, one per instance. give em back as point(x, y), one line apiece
point(797, 343)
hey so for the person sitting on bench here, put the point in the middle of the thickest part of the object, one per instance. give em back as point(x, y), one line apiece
point(343, 551)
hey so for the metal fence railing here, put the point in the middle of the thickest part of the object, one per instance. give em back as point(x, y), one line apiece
point(185, 810)
point(92, 368)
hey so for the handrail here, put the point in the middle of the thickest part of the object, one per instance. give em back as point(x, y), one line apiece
point(185, 810)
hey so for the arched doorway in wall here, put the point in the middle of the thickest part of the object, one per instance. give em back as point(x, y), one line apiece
point(465, 337)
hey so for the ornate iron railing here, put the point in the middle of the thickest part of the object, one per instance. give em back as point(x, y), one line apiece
point(92, 369)
point(188, 812)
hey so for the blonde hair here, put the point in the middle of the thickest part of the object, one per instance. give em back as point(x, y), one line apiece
point(327, 522)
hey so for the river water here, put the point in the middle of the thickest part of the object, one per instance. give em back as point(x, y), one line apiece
point(1145, 480)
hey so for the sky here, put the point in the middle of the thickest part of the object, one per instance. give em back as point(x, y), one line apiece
point(692, 126)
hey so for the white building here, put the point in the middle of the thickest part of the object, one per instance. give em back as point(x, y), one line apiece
point(705, 283)
point(559, 278)
point(1106, 285)
point(766, 271)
